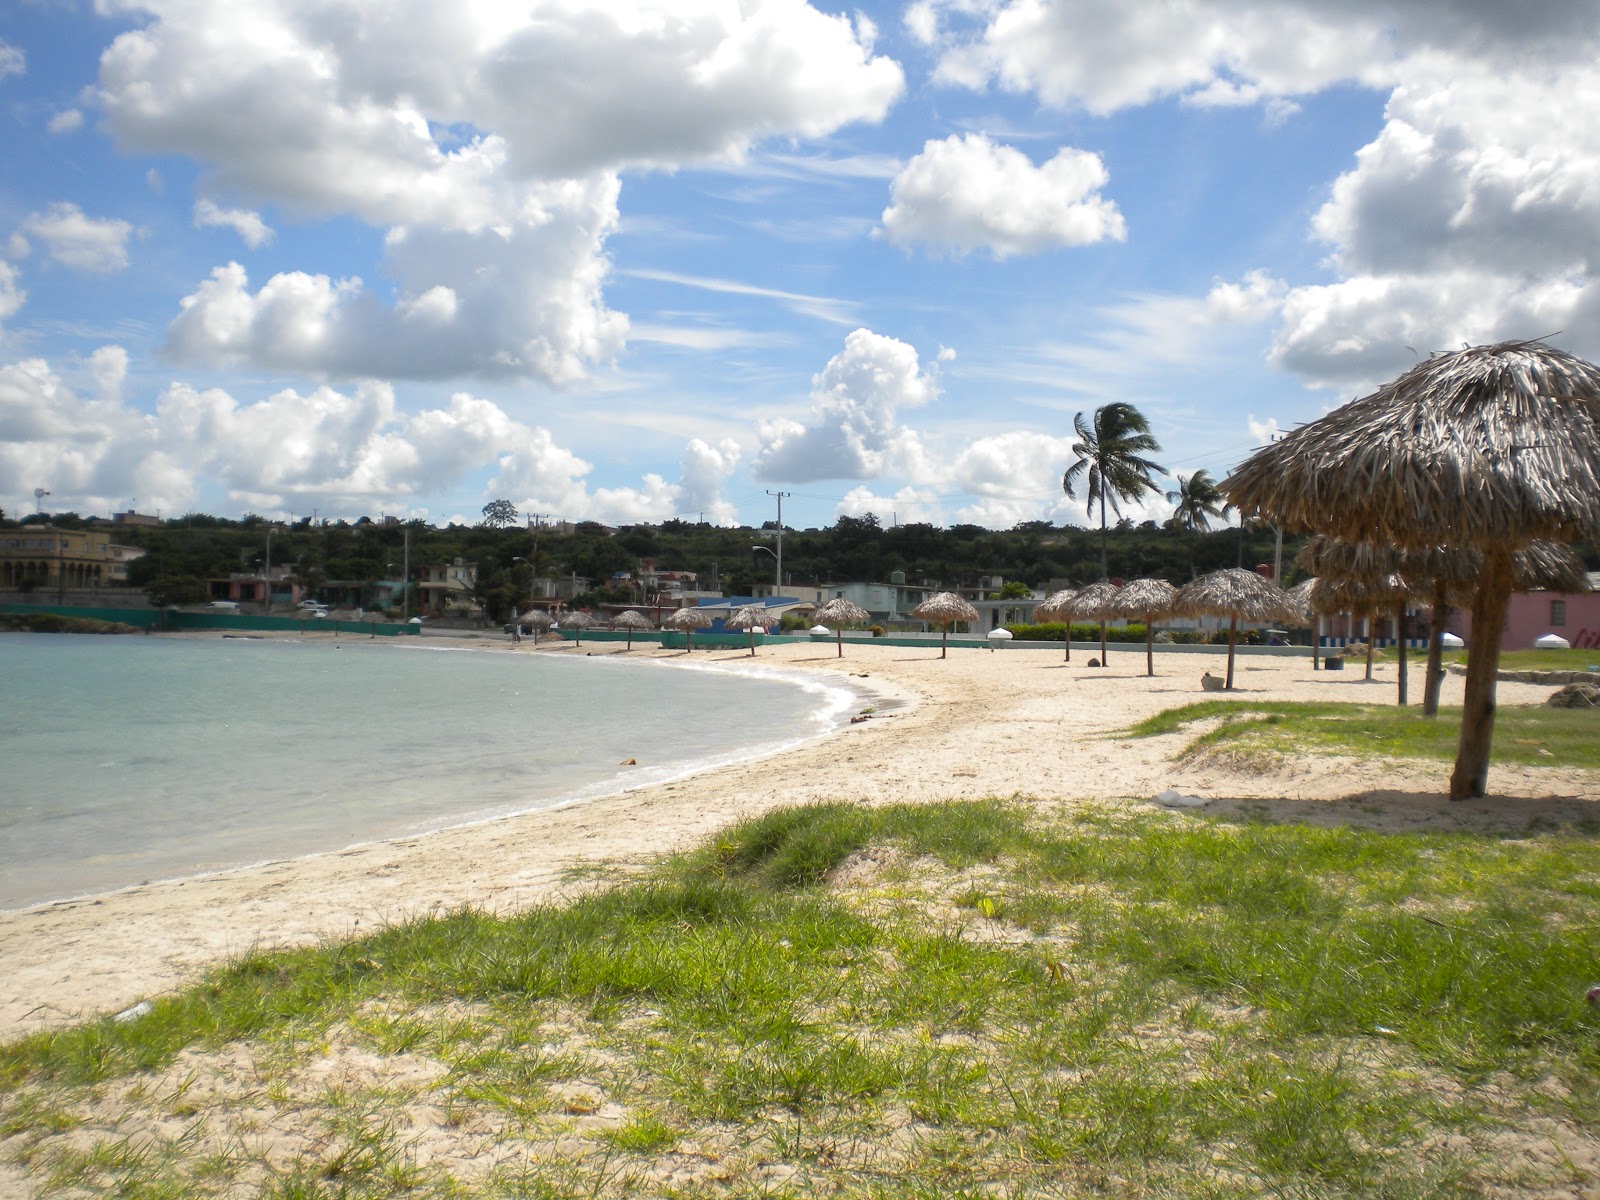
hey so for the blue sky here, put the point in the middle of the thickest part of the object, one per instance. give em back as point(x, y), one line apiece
point(631, 260)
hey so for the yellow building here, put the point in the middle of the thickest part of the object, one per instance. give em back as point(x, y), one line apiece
point(45, 559)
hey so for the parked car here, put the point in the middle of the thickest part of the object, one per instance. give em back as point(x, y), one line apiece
point(312, 606)
point(224, 605)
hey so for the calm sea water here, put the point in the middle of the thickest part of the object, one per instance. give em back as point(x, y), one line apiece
point(127, 759)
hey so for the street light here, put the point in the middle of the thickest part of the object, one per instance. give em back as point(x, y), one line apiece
point(533, 582)
point(777, 578)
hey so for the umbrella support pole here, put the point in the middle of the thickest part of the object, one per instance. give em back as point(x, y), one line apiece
point(1470, 778)
point(1370, 617)
point(1400, 647)
point(1316, 639)
point(1430, 687)
point(1233, 633)
point(1149, 649)
point(1102, 643)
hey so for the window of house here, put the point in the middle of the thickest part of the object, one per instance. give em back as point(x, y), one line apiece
point(1558, 613)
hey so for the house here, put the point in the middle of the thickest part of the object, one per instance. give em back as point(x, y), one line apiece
point(279, 586)
point(446, 589)
point(1573, 615)
point(54, 562)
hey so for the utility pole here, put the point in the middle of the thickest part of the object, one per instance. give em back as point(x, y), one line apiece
point(269, 570)
point(780, 495)
point(533, 584)
point(405, 575)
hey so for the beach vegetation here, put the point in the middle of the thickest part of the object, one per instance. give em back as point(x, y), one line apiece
point(1532, 735)
point(961, 999)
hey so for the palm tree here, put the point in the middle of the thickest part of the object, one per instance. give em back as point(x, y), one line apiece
point(1109, 454)
point(1198, 499)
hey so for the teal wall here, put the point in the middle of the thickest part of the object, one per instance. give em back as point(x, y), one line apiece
point(150, 618)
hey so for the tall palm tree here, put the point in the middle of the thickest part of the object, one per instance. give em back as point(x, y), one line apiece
point(1108, 454)
point(1198, 499)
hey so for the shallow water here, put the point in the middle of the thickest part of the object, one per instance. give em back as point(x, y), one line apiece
point(127, 759)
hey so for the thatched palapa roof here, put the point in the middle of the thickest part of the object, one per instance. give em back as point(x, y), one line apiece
point(840, 611)
point(690, 618)
point(1054, 606)
point(1488, 445)
point(1143, 598)
point(1093, 601)
point(1234, 592)
point(944, 608)
point(631, 620)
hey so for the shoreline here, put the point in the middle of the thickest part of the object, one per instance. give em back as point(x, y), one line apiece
point(980, 723)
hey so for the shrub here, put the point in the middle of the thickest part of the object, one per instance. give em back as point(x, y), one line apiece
point(877, 631)
point(1082, 631)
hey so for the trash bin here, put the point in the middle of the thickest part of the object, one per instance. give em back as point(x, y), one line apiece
point(1334, 662)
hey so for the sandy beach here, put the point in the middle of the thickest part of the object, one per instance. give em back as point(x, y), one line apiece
point(1015, 722)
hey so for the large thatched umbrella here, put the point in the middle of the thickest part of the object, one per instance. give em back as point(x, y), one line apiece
point(631, 620)
point(750, 617)
point(1095, 603)
point(577, 620)
point(1487, 448)
point(1146, 599)
point(688, 620)
point(1389, 592)
point(1300, 595)
point(942, 610)
point(1236, 594)
point(537, 620)
point(1057, 607)
point(840, 612)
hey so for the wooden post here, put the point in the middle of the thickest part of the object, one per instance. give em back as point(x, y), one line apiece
point(1400, 646)
point(1489, 604)
point(1430, 688)
point(1149, 646)
point(1316, 639)
point(1371, 614)
point(1233, 632)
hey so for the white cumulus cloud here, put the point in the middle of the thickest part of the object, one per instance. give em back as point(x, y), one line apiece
point(12, 60)
point(246, 223)
point(967, 193)
point(853, 431)
point(98, 245)
point(68, 120)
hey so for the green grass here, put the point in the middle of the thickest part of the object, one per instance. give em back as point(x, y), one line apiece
point(1520, 660)
point(1535, 736)
point(993, 1001)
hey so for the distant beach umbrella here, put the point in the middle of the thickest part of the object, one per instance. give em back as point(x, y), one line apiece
point(943, 610)
point(631, 620)
point(1388, 592)
point(1146, 599)
point(537, 620)
point(838, 613)
point(1300, 596)
point(1095, 603)
point(1238, 595)
point(577, 620)
point(1489, 448)
point(1057, 607)
point(750, 617)
point(688, 620)
point(998, 635)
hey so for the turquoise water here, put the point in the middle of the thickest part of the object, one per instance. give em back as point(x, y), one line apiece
point(128, 759)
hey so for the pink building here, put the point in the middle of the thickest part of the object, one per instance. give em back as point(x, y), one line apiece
point(1534, 614)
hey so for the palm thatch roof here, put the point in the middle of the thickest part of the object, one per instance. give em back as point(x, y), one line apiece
point(1537, 566)
point(749, 616)
point(1234, 592)
point(1487, 445)
point(1362, 593)
point(1093, 601)
point(690, 618)
point(944, 608)
point(1143, 598)
point(840, 611)
point(1301, 596)
point(1054, 606)
point(576, 619)
point(536, 617)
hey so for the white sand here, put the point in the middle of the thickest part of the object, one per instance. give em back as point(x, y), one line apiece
point(1016, 722)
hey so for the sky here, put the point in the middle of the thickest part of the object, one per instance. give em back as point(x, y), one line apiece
point(634, 260)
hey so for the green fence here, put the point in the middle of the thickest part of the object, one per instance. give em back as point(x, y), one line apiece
point(152, 618)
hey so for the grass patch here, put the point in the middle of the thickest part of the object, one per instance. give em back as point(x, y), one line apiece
point(987, 1001)
point(1535, 736)
point(1515, 660)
